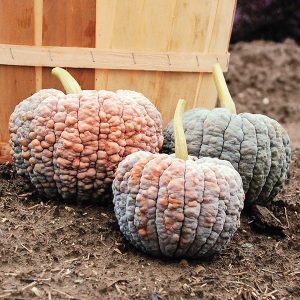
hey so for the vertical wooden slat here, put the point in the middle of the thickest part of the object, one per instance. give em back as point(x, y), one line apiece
point(155, 25)
point(190, 30)
point(16, 83)
point(132, 24)
point(103, 32)
point(218, 43)
point(69, 23)
point(211, 100)
point(38, 35)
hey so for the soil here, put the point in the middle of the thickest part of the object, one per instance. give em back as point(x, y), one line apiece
point(264, 77)
point(54, 250)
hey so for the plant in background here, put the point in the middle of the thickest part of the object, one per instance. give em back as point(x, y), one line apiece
point(256, 145)
point(70, 145)
point(175, 205)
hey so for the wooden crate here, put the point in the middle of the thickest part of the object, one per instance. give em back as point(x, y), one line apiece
point(162, 48)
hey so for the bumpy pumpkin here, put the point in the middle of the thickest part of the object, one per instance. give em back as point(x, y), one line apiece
point(256, 145)
point(177, 206)
point(70, 145)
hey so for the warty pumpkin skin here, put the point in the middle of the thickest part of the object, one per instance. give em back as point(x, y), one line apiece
point(257, 146)
point(168, 206)
point(70, 145)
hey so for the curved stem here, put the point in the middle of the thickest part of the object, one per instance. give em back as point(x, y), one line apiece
point(223, 92)
point(180, 141)
point(67, 80)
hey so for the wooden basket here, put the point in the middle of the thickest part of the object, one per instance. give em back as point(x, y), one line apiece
point(164, 49)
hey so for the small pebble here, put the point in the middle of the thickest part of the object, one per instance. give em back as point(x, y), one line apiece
point(290, 290)
point(199, 269)
point(153, 296)
point(247, 246)
point(265, 101)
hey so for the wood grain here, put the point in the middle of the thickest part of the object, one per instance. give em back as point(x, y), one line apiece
point(16, 83)
point(110, 59)
point(133, 24)
point(168, 26)
point(217, 41)
point(38, 36)
point(69, 23)
point(181, 27)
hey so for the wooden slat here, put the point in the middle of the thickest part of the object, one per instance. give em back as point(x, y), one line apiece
point(217, 41)
point(197, 16)
point(103, 32)
point(16, 83)
point(110, 59)
point(69, 23)
point(177, 26)
point(38, 36)
point(117, 29)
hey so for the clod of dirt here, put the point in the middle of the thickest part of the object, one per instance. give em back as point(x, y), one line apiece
point(6, 171)
point(265, 221)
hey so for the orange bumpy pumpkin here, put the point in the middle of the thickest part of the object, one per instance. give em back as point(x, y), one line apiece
point(177, 206)
point(70, 145)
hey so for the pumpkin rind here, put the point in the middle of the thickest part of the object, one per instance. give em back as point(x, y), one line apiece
point(70, 145)
point(257, 147)
point(166, 206)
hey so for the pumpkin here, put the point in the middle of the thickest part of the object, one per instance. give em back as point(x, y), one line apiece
point(177, 206)
point(70, 144)
point(256, 145)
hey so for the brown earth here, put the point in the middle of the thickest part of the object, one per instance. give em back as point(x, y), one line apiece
point(264, 77)
point(53, 250)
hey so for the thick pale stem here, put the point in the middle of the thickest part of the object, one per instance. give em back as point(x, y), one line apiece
point(69, 83)
point(180, 141)
point(223, 92)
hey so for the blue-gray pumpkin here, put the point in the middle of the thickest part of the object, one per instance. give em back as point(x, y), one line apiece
point(177, 206)
point(257, 146)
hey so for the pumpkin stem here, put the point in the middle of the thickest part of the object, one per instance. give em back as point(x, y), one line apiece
point(67, 80)
point(180, 141)
point(223, 92)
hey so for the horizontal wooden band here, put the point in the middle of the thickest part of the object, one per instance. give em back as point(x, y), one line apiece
point(94, 58)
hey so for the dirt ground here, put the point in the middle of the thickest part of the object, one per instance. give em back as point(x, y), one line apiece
point(54, 250)
point(264, 77)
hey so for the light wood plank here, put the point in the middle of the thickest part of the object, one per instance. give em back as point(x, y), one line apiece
point(16, 83)
point(191, 27)
point(109, 59)
point(69, 23)
point(168, 26)
point(218, 42)
point(38, 36)
point(104, 30)
point(137, 25)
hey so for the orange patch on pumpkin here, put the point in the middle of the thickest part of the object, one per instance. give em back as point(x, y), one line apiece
point(169, 225)
point(142, 232)
point(192, 203)
point(164, 202)
point(180, 217)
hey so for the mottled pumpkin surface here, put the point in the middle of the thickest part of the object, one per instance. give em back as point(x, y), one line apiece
point(256, 145)
point(166, 206)
point(70, 145)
